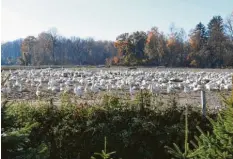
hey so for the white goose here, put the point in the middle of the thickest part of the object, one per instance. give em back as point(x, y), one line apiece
point(94, 87)
point(38, 92)
point(186, 89)
point(131, 90)
point(78, 91)
point(6, 90)
point(170, 89)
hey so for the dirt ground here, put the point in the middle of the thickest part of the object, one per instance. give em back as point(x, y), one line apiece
point(213, 99)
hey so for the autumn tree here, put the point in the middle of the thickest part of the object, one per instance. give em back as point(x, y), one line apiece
point(28, 50)
point(155, 48)
point(198, 44)
point(175, 46)
point(121, 44)
point(131, 47)
point(44, 47)
point(115, 60)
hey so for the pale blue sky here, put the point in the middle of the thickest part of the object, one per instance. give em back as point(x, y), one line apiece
point(104, 19)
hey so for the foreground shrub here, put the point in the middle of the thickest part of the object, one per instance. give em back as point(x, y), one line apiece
point(70, 131)
point(215, 145)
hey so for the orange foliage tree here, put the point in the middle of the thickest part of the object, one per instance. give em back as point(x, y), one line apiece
point(155, 46)
point(171, 42)
point(115, 60)
point(121, 47)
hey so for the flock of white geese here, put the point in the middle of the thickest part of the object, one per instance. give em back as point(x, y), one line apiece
point(80, 82)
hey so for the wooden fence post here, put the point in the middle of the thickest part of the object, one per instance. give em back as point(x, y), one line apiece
point(142, 104)
point(203, 102)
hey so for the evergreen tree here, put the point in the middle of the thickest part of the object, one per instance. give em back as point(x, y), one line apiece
point(216, 41)
point(215, 145)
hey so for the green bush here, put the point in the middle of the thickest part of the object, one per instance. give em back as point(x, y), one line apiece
point(215, 145)
point(70, 130)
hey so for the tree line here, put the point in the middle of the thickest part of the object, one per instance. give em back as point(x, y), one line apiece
point(205, 46)
point(49, 48)
point(210, 46)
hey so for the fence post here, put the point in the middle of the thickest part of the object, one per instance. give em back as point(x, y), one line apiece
point(142, 104)
point(203, 103)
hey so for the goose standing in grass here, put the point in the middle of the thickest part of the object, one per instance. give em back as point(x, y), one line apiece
point(6, 90)
point(78, 91)
point(94, 87)
point(154, 89)
point(62, 86)
point(131, 90)
point(150, 88)
point(186, 89)
point(108, 87)
point(16, 82)
point(228, 87)
point(170, 89)
point(40, 84)
point(86, 88)
point(20, 88)
point(55, 89)
point(38, 92)
point(62, 89)
point(142, 87)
